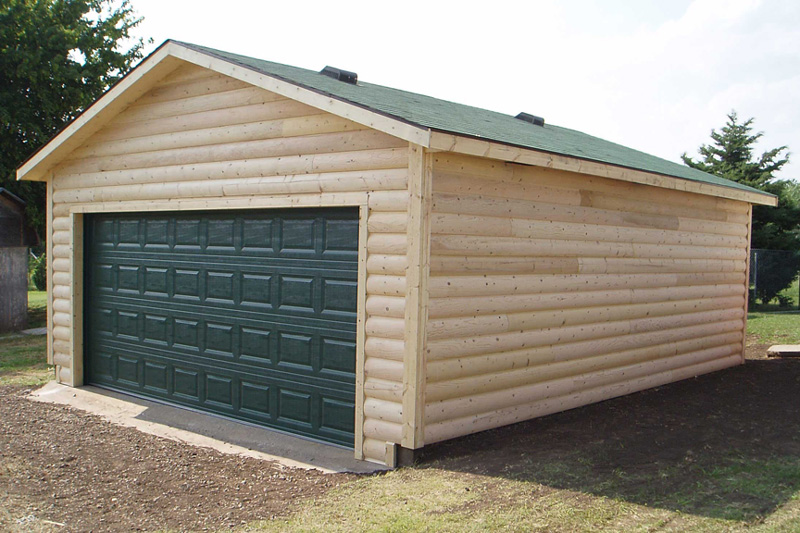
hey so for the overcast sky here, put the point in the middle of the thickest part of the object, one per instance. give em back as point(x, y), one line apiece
point(649, 74)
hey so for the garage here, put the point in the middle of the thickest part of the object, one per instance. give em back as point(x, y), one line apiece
point(248, 315)
point(357, 264)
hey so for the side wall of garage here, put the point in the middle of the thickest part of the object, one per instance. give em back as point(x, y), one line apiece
point(204, 141)
point(550, 290)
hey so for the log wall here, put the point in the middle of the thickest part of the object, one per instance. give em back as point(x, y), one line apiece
point(550, 290)
point(200, 140)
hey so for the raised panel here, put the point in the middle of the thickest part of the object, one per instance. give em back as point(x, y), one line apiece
point(255, 397)
point(256, 289)
point(341, 235)
point(105, 233)
point(298, 235)
point(255, 344)
point(103, 320)
point(257, 235)
point(187, 233)
point(219, 339)
point(128, 324)
point(295, 350)
point(128, 278)
point(155, 328)
point(219, 286)
point(155, 376)
point(128, 232)
point(294, 406)
point(338, 356)
point(156, 233)
point(337, 415)
point(339, 295)
point(220, 233)
point(185, 383)
point(128, 370)
point(186, 333)
point(219, 390)
point(156, 280)
point(104, 276)
point(297, 292)
point(187, 283)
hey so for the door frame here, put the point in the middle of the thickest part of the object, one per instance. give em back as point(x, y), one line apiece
point(77, 259)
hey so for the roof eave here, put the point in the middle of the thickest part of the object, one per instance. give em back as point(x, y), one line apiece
point(450, 142)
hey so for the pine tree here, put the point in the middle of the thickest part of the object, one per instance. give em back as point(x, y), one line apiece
point(731, 156)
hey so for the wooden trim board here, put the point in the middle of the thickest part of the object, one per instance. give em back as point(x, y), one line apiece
point(416, 312)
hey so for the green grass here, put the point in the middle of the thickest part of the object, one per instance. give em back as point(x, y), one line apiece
point(23, 358)
point(775, 328)
point(433, 499)
point(37, 309)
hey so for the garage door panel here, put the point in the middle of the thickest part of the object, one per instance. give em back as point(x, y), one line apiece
point(302, 349)
point(247, 314)
point(300, 291)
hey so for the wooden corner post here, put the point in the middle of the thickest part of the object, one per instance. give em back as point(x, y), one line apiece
point(747, 280)
point(416, 312)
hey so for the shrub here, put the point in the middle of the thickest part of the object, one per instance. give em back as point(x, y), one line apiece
point(38, 270)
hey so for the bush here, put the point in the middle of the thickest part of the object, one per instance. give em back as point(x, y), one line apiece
point(38, 272)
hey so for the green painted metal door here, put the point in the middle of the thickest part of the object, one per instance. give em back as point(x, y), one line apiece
point(249, 314)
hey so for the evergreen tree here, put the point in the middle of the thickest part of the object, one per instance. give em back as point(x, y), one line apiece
point(731, 156)
point(56, 57)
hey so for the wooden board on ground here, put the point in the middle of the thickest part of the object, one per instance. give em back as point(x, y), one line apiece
point(784, 350)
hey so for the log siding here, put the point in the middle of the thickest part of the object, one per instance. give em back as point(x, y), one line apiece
point(550, 290)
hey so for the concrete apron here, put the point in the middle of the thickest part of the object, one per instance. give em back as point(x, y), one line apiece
point(205, 430)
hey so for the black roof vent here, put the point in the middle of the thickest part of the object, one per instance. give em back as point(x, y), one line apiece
point(341, 75)
point(533, 119)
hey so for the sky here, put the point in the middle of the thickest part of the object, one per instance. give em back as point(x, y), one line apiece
point(655, 75)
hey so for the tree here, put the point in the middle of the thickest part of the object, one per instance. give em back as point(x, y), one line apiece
point(731, 156)
point(774, 228)
point(56, 58)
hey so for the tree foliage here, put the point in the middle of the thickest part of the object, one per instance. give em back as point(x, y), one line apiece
point(731, 156)
point(56, 57)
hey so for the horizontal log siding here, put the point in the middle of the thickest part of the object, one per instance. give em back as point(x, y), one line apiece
point(219, 143)
point(550, 290)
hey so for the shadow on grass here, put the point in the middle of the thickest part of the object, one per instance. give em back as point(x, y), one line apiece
point(726, 445)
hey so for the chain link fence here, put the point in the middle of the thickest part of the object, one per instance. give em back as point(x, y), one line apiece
point(774, 280)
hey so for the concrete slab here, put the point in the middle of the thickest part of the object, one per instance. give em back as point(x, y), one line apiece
point(201, 429)
point(784, 350)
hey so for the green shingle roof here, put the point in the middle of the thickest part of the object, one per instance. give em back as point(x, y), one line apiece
point(460, 119)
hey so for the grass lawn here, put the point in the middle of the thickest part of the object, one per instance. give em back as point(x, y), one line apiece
point(775, 328)
point(23, 360)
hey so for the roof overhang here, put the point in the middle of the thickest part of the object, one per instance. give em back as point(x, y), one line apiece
point(448, 142)
point(170, 55)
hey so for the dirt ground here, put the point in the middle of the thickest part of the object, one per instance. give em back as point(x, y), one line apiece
point(65, 466)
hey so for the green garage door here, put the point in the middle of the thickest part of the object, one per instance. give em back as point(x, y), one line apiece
point(247, 314)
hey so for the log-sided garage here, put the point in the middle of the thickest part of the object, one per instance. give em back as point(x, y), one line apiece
point(370, 267)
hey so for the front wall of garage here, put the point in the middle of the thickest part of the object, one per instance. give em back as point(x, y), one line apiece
point(550, 290)
point(204, 141)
